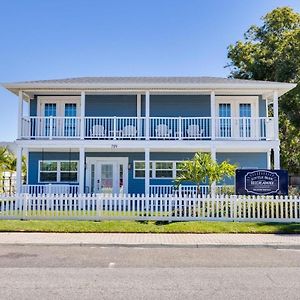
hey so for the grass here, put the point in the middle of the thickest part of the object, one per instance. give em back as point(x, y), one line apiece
point(146, 227)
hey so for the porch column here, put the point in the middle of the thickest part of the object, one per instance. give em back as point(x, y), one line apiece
point(269, 160)
point(20, 114)
point(214, 158)
point(275, 113)
point(147, 171)
point(213, 114)
point(81, 170)
point(276, 158)
point(82, 115)
point(139, 113)
point(19, 170)
point(147, 114)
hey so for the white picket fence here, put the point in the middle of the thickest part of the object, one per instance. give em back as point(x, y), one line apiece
point(141, 207)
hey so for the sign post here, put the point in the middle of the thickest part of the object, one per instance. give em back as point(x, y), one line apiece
point(261, 182)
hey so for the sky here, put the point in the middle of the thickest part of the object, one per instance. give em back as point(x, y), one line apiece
point(53, 39)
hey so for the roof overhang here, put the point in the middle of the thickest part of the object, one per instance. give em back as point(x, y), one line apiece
point(250, 88)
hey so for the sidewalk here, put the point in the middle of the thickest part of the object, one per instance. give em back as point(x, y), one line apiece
point(151, 240)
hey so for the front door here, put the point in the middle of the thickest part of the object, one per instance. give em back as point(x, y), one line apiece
point(107, 176)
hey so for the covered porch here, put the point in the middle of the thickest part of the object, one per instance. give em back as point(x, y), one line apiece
point(123, 169)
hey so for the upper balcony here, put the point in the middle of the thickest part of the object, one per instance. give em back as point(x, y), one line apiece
point(152, 128)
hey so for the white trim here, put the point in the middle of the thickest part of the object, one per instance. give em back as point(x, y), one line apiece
point(60, 102)
point(58, 170)
point(118, 160)
point(20, 114)
point(153, 169)
point(19, 170)
point(82, 115)
point(147, 171)
point(235, 101)
point(213, 114)
point(147, 115)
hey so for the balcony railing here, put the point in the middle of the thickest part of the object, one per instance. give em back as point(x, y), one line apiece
point(139, 128)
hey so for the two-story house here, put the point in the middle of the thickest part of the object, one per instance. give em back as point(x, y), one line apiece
point(129, 134)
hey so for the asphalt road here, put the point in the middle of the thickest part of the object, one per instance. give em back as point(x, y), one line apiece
point(74, 272)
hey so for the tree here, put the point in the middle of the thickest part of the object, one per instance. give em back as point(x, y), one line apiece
point(272, 52)
point(202, 168)
point(8, 163)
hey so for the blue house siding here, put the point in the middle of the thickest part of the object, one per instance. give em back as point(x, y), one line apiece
point(34, 157)
point(262, 107)
point(33, 107)
point(243, 160)
point(160, 106)
point(110, 105)
point(179, 106)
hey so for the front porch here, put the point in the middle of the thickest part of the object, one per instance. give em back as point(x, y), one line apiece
point(122, 170)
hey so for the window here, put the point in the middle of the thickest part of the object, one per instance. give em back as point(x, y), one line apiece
point(48, 171)
point(158, 169)
point(50, 109)
point(164, 170)
point(58, 171)
point(139, 169)
point(68, 171)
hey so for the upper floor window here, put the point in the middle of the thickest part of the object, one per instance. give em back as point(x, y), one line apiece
point(70, 110)
point(50, 109)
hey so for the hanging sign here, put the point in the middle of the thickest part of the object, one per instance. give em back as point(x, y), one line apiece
point(261, 182)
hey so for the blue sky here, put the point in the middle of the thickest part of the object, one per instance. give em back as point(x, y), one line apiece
point(66, 38)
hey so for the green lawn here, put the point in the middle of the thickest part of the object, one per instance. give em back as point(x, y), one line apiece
point(146, 227)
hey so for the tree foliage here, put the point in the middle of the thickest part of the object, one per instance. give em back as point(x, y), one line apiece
point(202, 168)
point(272, 52)
point(8, 161)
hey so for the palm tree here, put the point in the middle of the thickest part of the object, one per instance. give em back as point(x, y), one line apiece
point(8, 163)
point(202, 168)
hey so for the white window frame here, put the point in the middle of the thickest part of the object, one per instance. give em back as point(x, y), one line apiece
point(174, 169)
point(60, 102)
point(58, 171)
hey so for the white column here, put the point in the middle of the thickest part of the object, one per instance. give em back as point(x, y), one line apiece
point(20, 114)
point(147, 171)
point(19, 170)
point(82, 115)
point(214, 158)
point(276, 158)
point(213, 114)
point(147, 114)
point(275, 112)
point(139, 113)
point(269, 165)
point(81, 170)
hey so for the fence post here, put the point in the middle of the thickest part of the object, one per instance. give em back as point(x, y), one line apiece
point(235, 206)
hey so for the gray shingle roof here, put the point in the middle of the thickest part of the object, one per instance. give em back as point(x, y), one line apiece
point(151, 83)
point(143, 80)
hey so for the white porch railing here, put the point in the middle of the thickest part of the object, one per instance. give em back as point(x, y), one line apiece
point(141, 207)
point(245, 128)
point(36, 189)
point(51, 127)
point(160, 128)
point(114, 128)
point(187, 189)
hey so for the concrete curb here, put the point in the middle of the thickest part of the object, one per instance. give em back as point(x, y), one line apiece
point(120, 245)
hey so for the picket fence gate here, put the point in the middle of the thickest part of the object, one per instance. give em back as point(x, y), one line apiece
point(153, 207)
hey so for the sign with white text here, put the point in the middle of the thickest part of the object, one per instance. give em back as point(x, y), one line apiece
point(261, 182)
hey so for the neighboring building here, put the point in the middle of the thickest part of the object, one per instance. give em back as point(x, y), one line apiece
point(128, 134)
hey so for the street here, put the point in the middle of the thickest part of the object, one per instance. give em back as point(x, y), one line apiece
point(89, 272)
